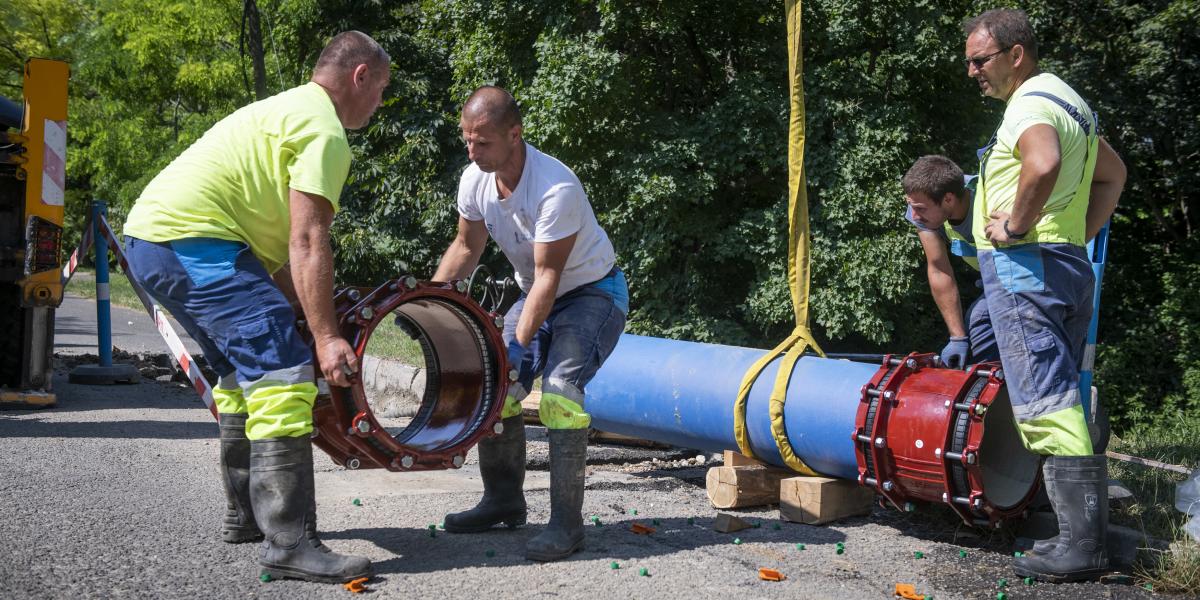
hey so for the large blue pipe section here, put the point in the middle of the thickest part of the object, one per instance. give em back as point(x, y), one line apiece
point(682, 393)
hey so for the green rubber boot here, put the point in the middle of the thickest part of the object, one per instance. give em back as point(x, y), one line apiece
point(502, 468)
point(281, 489)
point(563, 536)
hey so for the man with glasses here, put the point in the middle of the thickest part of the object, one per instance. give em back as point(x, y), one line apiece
point(1032, 220)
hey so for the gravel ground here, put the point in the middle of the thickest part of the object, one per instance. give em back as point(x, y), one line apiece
point(115, 494)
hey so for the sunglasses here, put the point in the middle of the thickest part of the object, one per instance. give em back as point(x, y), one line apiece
point(979, 61)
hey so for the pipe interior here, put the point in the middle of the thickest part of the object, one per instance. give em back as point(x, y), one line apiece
point(1008, 469)
point(459, 373)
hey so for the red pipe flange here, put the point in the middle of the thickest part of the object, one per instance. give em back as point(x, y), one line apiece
point(943, 435)
point(467, 376)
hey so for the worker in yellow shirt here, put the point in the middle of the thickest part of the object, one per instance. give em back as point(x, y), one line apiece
point(1046, 179)
point(211, 238)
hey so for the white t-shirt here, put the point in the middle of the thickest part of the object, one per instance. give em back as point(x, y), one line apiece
point(548, 205)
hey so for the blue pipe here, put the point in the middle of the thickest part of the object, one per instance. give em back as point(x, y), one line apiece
point(682, 393)
point(103, 316)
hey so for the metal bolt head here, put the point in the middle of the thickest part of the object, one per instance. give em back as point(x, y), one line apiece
point(970, 458)
point(512, 375)
point(980, 409)
point(353, 463)
point(364, 426)
point(460, 285)
point(498, 428)
point(499, 322)
point(407, 462)
point(998, 374)
point(909, 507)
point(888, 486)
point(457, 461)
point(889, 395)
point(911, 363)
point(937, 452)
point(410, 282)
point(366, 313)
point(945, 497)
point(879, 442)
point(947, 404)
point(978, 503)
point(354, 295)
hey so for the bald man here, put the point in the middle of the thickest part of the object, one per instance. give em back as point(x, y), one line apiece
point(567, 321)
point(255, 193)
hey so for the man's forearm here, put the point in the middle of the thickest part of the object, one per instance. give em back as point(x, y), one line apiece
point(538, 304)
point(945, 295)
point(1033, 190)
point(456, 263)
point(312, 273)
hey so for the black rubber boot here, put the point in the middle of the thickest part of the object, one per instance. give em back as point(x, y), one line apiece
point(1078, 489)
point(564, 534)
point(239, 526)
point(502, 467)
point(281, 488)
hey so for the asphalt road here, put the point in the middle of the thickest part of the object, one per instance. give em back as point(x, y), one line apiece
point(115, 493)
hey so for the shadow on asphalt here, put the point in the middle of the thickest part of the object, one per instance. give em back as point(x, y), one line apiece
point(416, 552)
point(12, 427)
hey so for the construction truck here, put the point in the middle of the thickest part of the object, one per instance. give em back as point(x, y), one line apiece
point(33, 143)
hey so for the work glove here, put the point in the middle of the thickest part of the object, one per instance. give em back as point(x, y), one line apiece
point(954, 355)
point(516, 355)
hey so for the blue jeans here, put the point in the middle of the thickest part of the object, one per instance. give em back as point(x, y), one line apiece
point(1039, 299)
point(981, 333)
point(581, 331)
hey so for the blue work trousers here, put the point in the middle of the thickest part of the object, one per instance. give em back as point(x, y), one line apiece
point(1039, 300)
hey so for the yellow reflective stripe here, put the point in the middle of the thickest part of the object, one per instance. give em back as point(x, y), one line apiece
point(280, 411)
point(512, 407)
point(559, 412)
point(1060, 433)
point(229, 402)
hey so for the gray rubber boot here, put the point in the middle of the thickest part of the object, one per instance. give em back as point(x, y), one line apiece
point(281, 489)
point(502, 467)
point(1078, 489)
point(239, 526)
point(564, 534)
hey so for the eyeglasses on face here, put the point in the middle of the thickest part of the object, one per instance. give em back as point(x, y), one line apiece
point(979, 61)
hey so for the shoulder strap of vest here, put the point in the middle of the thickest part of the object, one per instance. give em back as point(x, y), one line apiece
point(1071, 110)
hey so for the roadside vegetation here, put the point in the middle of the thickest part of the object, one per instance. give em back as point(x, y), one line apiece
point(674, 115)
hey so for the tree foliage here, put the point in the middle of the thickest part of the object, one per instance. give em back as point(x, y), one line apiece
point(674, 115)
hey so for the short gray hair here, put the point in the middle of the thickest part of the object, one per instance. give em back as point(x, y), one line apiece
point(349, 49)
point(1008, 26)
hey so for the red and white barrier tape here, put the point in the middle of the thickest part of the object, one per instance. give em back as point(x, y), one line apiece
point(85, 243)
point(174, 343)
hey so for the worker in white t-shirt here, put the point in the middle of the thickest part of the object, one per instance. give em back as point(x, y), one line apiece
point(566, 323)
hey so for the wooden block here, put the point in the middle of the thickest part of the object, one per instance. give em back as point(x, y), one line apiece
point(727, 523)
point(529, 408)
point(736, 487)
point(737, 459)
point(604, 437)
point(816, 500)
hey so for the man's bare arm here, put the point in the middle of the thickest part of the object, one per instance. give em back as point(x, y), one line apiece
point(942, 283)
point(463, 253)
point(1107, 183)
point(549, 260)
point(311, 259)
point(1041, 159)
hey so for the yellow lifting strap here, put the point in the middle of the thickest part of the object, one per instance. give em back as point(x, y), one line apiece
point(801, 338)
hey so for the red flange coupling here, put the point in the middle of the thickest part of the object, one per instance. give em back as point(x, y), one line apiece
point(466, 378)
point(942, 435)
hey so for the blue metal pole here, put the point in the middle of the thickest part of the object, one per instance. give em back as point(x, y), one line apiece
point(103, 315)
point(1098, 251)
point(682, 393)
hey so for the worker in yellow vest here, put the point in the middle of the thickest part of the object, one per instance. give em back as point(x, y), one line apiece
point(1046, 179)
point(211, 238)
